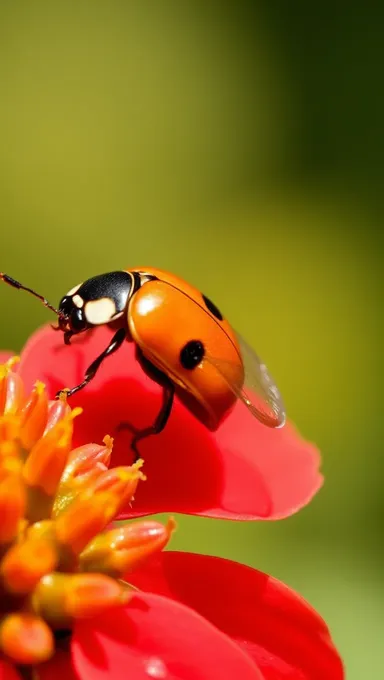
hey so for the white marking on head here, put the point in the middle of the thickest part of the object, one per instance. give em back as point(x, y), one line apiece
point(78, 301)
point(144, 277)
point(100, 311)
point(73, 290)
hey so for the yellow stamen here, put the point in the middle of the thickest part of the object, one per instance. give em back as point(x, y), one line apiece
point(63, 396)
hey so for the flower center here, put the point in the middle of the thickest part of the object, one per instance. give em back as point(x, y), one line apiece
point(58, 560)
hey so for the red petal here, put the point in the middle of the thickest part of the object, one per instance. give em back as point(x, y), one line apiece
point(8, 672)
point(156, 638)
point(286, 637)
point(59, 668)
point(244, 470)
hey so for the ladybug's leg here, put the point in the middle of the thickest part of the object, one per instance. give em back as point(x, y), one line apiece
point(166, 408)
point(161, 418)
point(91, 371)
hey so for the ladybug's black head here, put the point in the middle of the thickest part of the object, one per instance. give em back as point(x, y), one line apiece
point(95, 302)
point(71, 318)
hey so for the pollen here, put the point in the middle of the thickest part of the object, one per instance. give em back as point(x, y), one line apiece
point(60, 561)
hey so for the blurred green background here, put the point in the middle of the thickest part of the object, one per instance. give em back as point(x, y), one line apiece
point(223, 141)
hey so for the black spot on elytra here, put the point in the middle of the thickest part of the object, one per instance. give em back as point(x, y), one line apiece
point(212, 308)
point(192, 354)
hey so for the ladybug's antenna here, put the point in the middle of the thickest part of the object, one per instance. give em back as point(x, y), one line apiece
point(16, 284)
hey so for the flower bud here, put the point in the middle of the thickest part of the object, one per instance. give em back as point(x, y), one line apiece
point(123, 549)
point(85, 517)
point(121, 482)
point(45, 464)
point(84, 458)
point(34, 416)
point(60, 598)
point(26, 639)
point(57, 410)
point(25, 563)
point(84, 466)
point(11, 388)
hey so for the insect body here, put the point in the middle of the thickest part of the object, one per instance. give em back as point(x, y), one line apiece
point(182, 338)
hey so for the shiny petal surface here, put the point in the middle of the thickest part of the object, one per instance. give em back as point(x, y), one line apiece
point(286, 637)
point(155, 638)
point(243, 470)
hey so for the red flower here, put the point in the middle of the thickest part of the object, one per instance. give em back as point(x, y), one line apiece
point(254, 628)
point(242, 471)
point(82, 601)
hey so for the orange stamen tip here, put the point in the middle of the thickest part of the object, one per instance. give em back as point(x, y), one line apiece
point(26, 638)
point(12, 362)
point(137, 468)
point(108, 441)
point(7, 367)
point(63, 396)
point(117, 479)
point(76, 412)
point(39, 387)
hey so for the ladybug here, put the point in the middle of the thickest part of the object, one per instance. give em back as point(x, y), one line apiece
point(182, 338)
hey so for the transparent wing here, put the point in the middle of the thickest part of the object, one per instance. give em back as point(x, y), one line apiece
point(259, 392)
